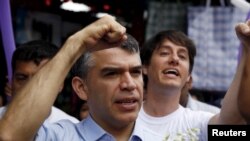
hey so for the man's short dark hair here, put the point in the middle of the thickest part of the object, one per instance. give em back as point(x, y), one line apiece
point(35, 51)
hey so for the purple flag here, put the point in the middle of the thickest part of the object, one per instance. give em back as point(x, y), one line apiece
point(7, 33)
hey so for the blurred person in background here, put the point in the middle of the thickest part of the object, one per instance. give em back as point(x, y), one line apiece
point(27, 59)
point(188, 101)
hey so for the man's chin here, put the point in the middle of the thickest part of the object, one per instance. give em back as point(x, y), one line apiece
point(129, 118)
point(172, 85)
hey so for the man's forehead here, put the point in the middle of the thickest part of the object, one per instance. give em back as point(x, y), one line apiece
point(30, 64)
point(169, 43)
point(131, 59)
point(114, 51)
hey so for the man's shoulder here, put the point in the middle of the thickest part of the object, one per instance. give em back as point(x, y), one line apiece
point(2, 110)
point(63, 130)
point(57, 114)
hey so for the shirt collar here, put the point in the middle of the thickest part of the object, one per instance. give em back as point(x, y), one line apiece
point(91, 131)
point(137, 134)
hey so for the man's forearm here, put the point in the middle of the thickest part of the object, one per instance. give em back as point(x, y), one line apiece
point(244, 96)
point(243, 33)
point(230, 111)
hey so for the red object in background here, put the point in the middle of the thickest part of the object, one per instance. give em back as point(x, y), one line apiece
point(106, 7)
point(47, 2)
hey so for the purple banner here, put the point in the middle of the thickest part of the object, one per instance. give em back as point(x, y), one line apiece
point(7, 33)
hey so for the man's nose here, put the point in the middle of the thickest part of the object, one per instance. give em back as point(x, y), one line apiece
point(127, 82)
point(174, 59)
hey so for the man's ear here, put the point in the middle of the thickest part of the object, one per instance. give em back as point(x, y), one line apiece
point(190, 82)
point(144, 70)
point(80, 88)
point(8, 89)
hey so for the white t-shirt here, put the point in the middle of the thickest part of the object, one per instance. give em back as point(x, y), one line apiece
point(55, 115)
point(183, 124)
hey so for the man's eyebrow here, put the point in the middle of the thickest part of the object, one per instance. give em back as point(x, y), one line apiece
point(109, 68)
point(137, 67)
point(183, 50)
point(19, 73)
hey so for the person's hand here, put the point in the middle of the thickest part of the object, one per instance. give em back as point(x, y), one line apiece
point(105, 30)
point(108, 29)
point(7, 89)
point(243, 33)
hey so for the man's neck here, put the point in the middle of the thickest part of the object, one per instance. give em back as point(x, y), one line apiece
point(120, 131)
point(161, 103)
point(123, 134)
